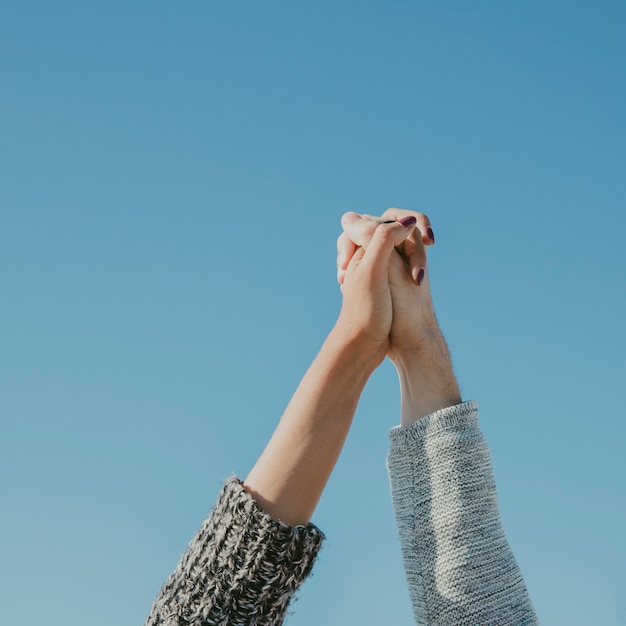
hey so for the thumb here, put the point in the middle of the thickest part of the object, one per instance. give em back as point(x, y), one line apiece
point(358, 229)
point(383, 242)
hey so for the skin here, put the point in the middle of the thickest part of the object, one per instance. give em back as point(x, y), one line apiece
point(385, 312)
point(417, 347)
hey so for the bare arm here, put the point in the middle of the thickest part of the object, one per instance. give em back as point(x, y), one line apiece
point(290, 475)
point(256, 547)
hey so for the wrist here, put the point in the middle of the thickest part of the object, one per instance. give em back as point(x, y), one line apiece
point(427, 381)
point(363, 352)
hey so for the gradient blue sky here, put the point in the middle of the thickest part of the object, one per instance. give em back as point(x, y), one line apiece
point(172, 177)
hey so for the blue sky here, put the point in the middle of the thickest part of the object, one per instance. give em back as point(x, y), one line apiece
point(172, 177)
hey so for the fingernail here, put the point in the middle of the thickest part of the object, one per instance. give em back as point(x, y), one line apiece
point(420, 276)
point(407, 222)
point(431, 234)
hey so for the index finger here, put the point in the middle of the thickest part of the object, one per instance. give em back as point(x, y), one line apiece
point(423, 222)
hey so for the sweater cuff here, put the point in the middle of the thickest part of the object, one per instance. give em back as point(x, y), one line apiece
point(242, 566)
point(459, 417)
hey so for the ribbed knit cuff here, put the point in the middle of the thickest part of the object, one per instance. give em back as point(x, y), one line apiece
point(242, 568)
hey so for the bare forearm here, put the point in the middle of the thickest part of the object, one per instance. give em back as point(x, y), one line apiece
point(427, 381)
point(289, 477)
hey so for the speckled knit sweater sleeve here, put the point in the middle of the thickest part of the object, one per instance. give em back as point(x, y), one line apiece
point(459, 565)
point(241, 569)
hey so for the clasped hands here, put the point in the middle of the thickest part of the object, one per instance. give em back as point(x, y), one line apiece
point(387, 306)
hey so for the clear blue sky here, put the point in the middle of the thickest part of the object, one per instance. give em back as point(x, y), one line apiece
point(172, 175)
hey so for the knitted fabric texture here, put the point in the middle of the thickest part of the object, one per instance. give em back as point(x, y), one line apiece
point(241, 569)
point(459, 565)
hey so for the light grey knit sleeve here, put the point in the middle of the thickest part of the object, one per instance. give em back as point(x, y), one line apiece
point(459, 566)
point(241, 569)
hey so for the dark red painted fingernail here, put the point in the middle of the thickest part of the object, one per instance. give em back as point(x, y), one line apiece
point(407, 222)
point(420, 276)
point(431, 234)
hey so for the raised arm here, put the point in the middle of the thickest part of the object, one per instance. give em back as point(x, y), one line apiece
point(292, 472)
point(257, 546)
point(459, 566)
